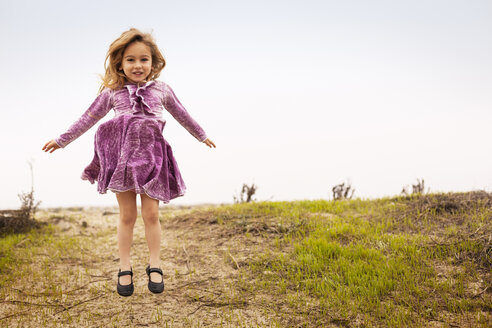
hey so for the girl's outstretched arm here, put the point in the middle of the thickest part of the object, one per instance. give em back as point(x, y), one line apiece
point(177, 110)
point(99, 108)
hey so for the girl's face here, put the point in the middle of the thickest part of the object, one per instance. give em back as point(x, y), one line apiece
point(137, 62)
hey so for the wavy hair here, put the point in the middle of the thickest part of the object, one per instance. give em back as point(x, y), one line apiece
point(113, 77)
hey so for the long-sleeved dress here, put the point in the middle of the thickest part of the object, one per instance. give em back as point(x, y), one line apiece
point(130, 152)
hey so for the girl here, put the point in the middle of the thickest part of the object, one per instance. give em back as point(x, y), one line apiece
point(130, 154)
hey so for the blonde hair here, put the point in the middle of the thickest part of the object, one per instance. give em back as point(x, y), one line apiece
point(115, 78)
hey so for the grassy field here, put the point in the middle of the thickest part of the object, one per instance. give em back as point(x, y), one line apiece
point(416, 261)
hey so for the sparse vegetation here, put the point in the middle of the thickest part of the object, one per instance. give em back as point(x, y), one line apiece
point(21, 220)
point(343, 191)
point(420, 260)
point(28, 204)
point(418, 188)
point(246, 194)
point(393, 262)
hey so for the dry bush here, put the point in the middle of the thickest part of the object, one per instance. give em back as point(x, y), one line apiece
point(246, 194)
point(417, 189)
point(28, 204)
point(343, 191)
point(21, 220)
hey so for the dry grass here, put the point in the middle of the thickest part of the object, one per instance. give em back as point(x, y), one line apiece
point(67, 277)
point(267, 264)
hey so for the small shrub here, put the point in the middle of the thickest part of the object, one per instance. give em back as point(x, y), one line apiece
point(28, 204)
point(417, 189)
point(246, 194)
point(21, 220)
point(343, 191)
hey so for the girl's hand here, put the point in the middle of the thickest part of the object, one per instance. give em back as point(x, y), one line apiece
point(209, 143)
point(50, 145)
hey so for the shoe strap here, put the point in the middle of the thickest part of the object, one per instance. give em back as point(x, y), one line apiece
point(155, 270)
point(125, 273)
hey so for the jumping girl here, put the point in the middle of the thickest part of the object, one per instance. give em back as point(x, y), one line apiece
point(131, 155)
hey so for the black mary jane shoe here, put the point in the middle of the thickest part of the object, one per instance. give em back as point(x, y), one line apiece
point(125, 290)
point(155, 287)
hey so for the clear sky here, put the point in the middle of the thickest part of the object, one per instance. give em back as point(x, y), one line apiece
point(297, 95)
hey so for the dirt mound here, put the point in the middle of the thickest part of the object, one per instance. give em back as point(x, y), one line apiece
point(15, 221)
point(453, 202)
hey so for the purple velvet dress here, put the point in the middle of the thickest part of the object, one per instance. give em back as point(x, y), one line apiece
point(130, 152)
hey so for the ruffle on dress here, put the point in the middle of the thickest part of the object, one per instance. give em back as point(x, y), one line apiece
point(137, 98)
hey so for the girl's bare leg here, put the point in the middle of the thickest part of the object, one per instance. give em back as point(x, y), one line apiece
point(128, 215)
point(150, 215)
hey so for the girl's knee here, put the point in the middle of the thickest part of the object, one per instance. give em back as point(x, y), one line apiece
point(128, 207)
point(128, 219)
point(150, 217)
point(150, 210)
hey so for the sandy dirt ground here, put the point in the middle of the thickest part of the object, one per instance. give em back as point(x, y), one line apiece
point(204, 265)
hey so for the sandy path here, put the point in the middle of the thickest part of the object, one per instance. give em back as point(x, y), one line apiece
point(204, 274)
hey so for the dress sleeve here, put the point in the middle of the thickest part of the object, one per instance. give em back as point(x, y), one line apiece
point(99, 108)
point(177, 110)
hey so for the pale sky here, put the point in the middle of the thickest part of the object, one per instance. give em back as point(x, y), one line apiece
point(297, 95)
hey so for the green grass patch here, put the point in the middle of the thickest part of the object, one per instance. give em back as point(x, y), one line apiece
point(20, 253)
point(396, 262)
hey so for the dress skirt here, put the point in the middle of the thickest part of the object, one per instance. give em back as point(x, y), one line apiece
point(130, 153)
